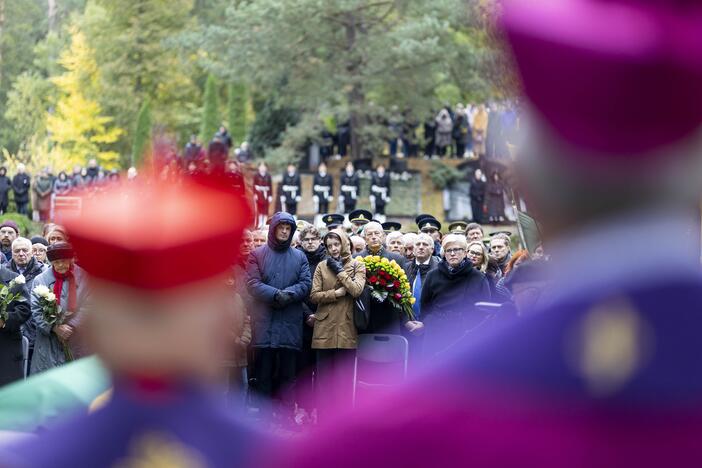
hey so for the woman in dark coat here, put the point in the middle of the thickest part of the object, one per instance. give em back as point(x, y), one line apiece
point(62, 184)
point(11, 365)
point(495, 199)
point(448, 297)
point(477, 196)
point(5, 186)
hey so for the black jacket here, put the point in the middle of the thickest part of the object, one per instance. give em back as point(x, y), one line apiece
point(291, 182)
point(412, 269)
point(10, 335)
point(5, 186)
point(323, 182)
point(20, 185)
point(453, 292)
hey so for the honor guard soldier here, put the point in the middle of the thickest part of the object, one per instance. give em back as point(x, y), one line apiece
point(360, 218)
point(380, 192)
point(430, 225)
point(263, 194)
point(157, 321)
point(322, 190)
point(603, 369)
point(290, 190)
point(350, 188)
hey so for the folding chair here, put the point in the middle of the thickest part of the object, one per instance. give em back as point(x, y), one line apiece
point(381, 362)
point(25, 356)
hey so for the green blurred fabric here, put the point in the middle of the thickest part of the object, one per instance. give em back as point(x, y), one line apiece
point(46, 398)
point(529, 230)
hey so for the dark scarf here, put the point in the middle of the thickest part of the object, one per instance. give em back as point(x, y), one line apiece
point(58, 287)
point(461, 270)
point(422, 269)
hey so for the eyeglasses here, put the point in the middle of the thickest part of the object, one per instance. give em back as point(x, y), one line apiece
point(475, 253)
point(454, 251)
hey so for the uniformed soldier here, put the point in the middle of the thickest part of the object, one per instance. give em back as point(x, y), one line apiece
point(322, 190)
point(290, 190)
point(157, 323)
point(380, 192)
point(263, 194)
point(391, 226)
point(333, 220)
point(350, 189)
point(360, 218)
point(430, 225)
point(605, 372)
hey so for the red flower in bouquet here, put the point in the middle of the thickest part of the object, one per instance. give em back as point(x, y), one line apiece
point(398, 296)
point(383, 283)
point(396, 284)
point(373, 279)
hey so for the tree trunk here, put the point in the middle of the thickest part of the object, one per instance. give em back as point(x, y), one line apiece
point(51, 12)
point(2, 32)
point(356, 95)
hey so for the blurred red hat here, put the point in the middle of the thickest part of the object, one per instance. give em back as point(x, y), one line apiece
point(149, 234)
point(616, 77)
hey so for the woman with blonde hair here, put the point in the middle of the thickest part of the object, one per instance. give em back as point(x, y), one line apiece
point(478, 255)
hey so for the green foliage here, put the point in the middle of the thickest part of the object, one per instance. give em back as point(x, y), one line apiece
point(210, 112)
point(268, 131)
point(142, 135)
point(236, 111)
point(443, 175)
point(27, 102)
point(26, 226)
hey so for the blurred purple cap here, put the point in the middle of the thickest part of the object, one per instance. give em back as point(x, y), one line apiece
point(616, 77)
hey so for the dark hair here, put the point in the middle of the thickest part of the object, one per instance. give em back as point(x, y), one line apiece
point(472, 226)
point(330, 235)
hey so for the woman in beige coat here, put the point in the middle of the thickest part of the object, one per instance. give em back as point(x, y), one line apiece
point(337, 281)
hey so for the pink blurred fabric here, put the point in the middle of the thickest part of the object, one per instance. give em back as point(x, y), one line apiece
point(614, 77)
point(447, 425)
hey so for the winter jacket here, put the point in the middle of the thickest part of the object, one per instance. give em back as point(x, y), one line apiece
point(48, 350)
point(10, 336)
point(273, 270)
point(5, 186)
point(20, 185)
point(33, 269)
point(334, 327)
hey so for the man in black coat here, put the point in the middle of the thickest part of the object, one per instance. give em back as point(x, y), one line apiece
point(350, 188)
point(384, 317)
point(21, 183)
point(322, 190)
point(11, 365)
point(5, 186)
point(380, 191)
point(290, 190)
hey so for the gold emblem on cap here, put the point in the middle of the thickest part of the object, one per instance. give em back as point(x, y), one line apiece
point(428, 225)
point(361, 216)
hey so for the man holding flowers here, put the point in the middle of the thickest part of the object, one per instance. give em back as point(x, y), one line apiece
point(58, 296)
point(14, 311)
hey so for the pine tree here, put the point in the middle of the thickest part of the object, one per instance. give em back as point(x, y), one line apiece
point(236, 110)
point(142, 135)
point(210, 111)
point(78, 127)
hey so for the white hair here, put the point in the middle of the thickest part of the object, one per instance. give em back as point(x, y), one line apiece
point(454, 239)
point(424, 237)
point(21, 240)
point(373, 225)
point(409, 239)
point(393, 235)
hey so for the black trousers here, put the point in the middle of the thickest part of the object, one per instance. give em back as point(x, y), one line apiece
point(349, 203)
point(291, 208)
point(334, 379)
point(286, 360)
point(323, 206)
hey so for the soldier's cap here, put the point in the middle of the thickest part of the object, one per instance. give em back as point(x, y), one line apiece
point(458, 227)
point(419, 218)
point(302, 224)
point(506, 233)
point(60, 251)
point(391, 226)
point(360, 216)
point(428, 224)
point(144, 234)
point(610, 54)
point(333, 220)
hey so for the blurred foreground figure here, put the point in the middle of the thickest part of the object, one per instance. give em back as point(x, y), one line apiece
point(605, 372)
point(160, 324)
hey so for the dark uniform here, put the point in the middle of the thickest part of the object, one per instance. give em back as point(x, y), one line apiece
point(263, 196)
point(322, 190)
point(380, 192)
point(290, 190)
point(350, 188)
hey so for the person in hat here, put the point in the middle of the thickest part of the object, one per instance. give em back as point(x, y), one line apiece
point(58, 343)
point(263, 194)
point(458, 227)
point(350, 189)
point(18, 313)
point(333, 220)
point(290, 190)
point(39, 246)
point(159, 324)
point(8, 233)
point(391, 226)
point(430, 225)
point(359, 218)
point(322, 189)
point(380, 192)
point(606, 370)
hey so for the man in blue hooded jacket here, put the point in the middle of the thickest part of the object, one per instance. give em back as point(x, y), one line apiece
point(279, 280)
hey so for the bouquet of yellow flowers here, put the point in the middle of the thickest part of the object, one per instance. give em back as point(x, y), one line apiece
point(388, 281)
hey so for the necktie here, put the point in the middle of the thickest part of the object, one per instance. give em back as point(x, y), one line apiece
point(417, 293)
